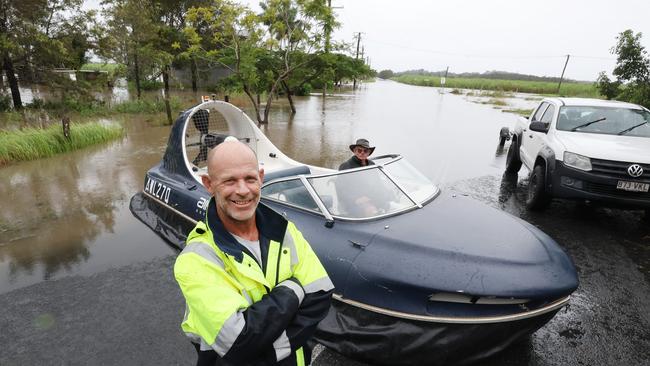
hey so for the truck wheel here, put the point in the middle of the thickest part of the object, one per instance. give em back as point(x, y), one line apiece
point(503, 136)
point(537, 199)
point(513, 163)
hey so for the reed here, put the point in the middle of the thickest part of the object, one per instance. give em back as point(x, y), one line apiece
point(496, 101)
point(572, 89)
point(35, 143)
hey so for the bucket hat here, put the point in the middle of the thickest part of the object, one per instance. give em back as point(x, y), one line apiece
point(363, 143)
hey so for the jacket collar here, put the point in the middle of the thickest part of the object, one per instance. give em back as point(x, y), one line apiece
point(358, 161)
point(270, 224)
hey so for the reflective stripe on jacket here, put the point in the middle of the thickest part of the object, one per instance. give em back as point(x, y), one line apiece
point(250, 313)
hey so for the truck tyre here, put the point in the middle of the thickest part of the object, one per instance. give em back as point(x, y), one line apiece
point(513, 163)
point(503, 136)
point(537, 198)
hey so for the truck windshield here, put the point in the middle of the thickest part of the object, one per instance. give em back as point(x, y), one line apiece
point(611, 121)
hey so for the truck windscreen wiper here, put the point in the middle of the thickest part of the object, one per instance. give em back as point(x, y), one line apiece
point(631, 128)
point(588, 123)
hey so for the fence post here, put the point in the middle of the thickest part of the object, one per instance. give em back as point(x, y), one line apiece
point(65, 121)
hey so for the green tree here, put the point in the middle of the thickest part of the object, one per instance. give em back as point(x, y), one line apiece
point(228, 34)
point(39, 35)
point(632, 62)
point(348, 68)
point(296, 32)
point(131, 32)
point(386, 74)
point(632, 71)
point(171, 44)
point(262, 51)
point(607, 88)
point(149, 36)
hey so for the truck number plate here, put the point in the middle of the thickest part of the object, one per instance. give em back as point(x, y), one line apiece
point(632, 186)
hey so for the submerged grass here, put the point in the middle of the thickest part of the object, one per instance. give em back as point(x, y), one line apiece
point(521, 112)
point(497, 102)
point(147, 106)
point(34, 143)
point(572, 89)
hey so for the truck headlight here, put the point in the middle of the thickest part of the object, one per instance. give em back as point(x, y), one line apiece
point(577, 161)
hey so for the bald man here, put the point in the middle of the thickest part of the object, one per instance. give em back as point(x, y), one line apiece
point(254, 289)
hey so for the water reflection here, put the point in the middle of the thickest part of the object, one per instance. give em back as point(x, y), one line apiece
point(119, 93)
point(60, 213)
point(507, 187)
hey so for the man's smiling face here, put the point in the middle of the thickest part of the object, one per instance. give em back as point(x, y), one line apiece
point(235, 181)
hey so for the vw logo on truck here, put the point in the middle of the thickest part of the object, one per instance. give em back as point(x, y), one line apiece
point(635, 170)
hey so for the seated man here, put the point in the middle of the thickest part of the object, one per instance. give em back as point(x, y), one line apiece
point(362, 150)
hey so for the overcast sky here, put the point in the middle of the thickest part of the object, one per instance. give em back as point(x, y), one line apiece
point(524, 36)
point(531, 37)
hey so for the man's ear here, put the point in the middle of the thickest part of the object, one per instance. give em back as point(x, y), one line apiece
point(205, 179)
point(261, 175)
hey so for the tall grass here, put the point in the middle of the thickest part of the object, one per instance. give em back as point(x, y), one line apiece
point(34, 143)
point(522, 86)
point(146, 106)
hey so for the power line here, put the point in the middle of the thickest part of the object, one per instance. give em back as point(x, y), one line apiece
point(595, 57)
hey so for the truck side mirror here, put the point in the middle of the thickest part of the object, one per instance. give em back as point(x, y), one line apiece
point(538, 126)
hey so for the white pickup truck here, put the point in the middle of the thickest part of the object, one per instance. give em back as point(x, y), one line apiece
point(584, 149)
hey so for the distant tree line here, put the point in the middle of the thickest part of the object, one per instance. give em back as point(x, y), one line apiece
point(283, 50)
point(495, 75)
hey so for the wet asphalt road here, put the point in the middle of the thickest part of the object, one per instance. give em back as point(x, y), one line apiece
point(130, 315)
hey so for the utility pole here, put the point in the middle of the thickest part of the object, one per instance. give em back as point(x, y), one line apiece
point(328, 31)
point(354, 85)
point(562, 77)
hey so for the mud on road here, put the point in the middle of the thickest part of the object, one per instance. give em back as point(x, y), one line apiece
point(130, 315)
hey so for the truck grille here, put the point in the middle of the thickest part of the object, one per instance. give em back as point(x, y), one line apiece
point(617, 169)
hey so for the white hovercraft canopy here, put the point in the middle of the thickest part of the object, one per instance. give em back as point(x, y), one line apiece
point(210, 123)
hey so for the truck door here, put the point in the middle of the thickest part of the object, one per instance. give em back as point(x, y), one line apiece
point(531, 141)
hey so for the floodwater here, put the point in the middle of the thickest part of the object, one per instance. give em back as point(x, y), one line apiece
point(442, 134)
point(82, 281)
point(69, 215)
point(29, 93)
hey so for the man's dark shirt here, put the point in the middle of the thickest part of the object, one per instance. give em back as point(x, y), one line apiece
point(354, 162)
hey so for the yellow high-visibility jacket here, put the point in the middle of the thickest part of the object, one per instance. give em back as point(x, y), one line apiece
point(252, 314)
